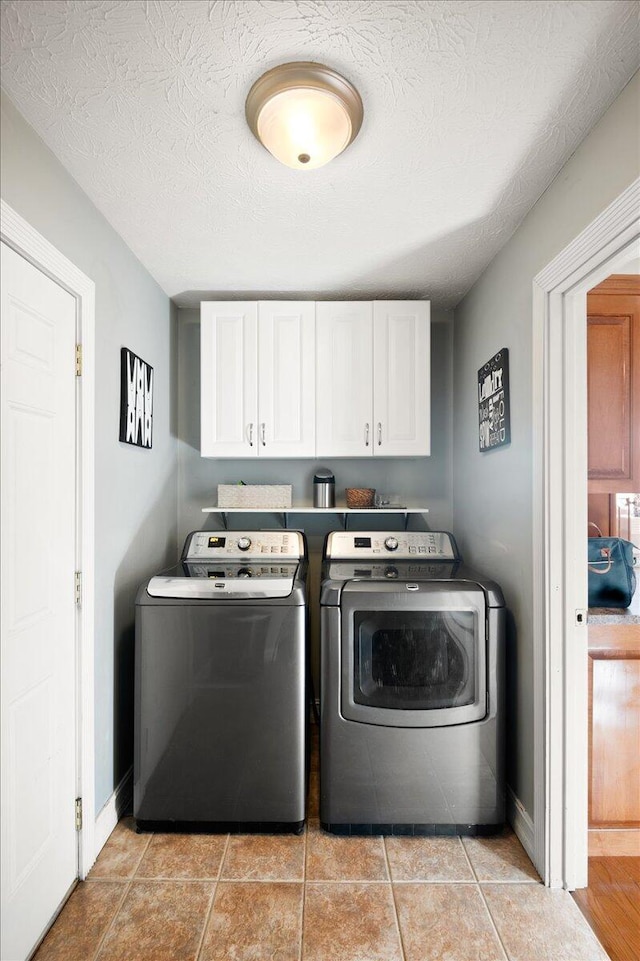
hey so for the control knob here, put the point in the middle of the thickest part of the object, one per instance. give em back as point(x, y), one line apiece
point(391, 543)
point(244, 543)
point(245, 572)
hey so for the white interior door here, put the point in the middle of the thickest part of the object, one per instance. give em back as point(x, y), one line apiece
point(38, 613)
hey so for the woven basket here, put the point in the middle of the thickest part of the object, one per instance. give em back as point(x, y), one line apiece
point(359, 497)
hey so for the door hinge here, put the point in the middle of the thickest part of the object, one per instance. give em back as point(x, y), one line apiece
point(78, 360)
point(78, 814)
point(78, 588)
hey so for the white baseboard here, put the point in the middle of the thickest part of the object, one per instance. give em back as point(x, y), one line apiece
point(521, 822)
point(112, 811)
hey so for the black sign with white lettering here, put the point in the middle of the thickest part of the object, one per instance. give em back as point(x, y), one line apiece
point(493, 402)
point(136, 399)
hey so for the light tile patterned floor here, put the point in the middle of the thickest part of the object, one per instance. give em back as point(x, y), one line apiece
point(317, 897)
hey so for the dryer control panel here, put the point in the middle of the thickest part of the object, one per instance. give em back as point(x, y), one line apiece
point(241, 545)
point(400, 545)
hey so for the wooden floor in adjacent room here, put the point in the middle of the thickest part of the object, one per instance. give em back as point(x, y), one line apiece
point(611, 905)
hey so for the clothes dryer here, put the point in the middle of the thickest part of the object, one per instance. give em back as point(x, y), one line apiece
point(412, 688)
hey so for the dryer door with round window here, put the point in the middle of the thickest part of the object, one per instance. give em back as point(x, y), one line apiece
point(413, 655)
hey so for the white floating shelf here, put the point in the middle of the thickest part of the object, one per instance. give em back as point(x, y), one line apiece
point(342, 510)
point(306, 509)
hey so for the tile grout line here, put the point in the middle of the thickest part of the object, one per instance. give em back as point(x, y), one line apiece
point(209, 911)
point(313, 751)
point(469, 861)
point(205, 924)
point(484, 901)
point(453, 880)
point(162, 878)
point(393, 900)
point(141, 858)
point(371, 884)
point(127, 888)
point(304, 887)
point(493, 923)
point(227, 845)
point(102, 940)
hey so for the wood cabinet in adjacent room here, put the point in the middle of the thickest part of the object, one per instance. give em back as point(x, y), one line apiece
point(614, 739)
point(613, 383)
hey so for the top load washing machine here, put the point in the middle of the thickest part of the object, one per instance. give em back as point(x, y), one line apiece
point(412, 664)
point(220, 686)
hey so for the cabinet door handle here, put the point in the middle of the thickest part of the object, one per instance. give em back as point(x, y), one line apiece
point(250, 434)
point(262, 433)
point(379, 434)
point(366, 435)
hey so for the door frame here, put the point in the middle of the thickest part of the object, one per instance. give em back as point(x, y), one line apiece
point(559, 535)
point(18, 234)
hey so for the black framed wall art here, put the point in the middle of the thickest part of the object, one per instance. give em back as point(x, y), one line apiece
point(136, 400)
point(494, 412)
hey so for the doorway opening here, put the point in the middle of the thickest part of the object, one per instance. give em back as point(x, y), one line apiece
point(560, 521)
point(613, 479)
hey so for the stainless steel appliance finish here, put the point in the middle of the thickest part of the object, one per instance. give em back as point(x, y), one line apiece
point(324, 488)
point(220, 686)
point(412, 671)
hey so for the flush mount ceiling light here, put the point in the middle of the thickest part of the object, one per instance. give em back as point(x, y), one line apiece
point(304, 114)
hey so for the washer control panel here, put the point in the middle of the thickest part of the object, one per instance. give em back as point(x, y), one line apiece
point(266, 545)
point(399, 545)
point(348, 570)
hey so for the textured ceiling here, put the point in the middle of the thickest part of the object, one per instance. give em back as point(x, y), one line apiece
point(471, 108)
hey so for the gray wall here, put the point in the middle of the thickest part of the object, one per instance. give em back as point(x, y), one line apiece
point(136, 489)
point(492, 492)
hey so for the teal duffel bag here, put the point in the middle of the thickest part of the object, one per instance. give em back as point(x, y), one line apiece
point(612, 579)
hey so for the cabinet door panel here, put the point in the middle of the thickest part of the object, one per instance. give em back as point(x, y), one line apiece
point(286, 379)
point(344, 400)
point(613, 372)
point(614, 739)
point(615, 779)
point(228, 379)
point(402, 375)
point(609, 391)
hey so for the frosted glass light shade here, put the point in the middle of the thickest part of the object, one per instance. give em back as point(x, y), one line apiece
point(304, 128)
point(304, 114)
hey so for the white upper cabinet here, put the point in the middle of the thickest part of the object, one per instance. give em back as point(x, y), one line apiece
point(344, 379)
point(229, 379)
point(257, 379)
point(373, 379)
point(326, 379)
point(286, 379)
point(401, 377)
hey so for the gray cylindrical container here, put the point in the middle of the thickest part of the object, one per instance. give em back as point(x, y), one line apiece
point(324, 488)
